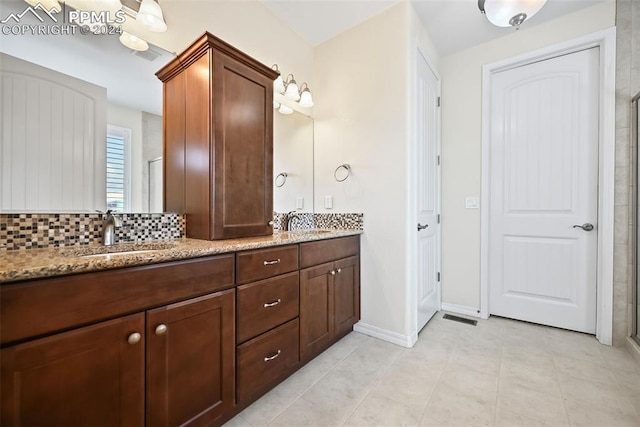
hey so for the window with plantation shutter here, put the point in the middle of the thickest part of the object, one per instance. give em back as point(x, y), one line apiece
point(118, 167)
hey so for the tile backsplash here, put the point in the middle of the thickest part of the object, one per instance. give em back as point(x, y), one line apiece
point(350, 221)
point(31, 231)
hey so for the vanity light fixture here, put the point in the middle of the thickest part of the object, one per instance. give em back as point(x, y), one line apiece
point(509, 13)
point(133, 42)
point(151, 17)
point(289, 88)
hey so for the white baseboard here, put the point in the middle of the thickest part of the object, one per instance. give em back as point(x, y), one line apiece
point(461, 309)
point(389, 336)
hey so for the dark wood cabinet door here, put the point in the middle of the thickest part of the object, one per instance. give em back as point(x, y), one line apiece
point(316, 310)
point(243, 145)
point(90, 376)
point(173, 145)
point(347, 294)
point(190, 360)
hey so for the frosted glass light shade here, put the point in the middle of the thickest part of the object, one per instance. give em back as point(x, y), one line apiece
point(278, 85)
point(276, 105)
point(284, 109)
point(133, 42)
point(48, 4)
point(150, 16)
point(292, 91)
point(500, 12)
point(306, 100)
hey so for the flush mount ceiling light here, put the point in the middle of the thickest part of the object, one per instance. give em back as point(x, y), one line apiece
point(133, 42)
point(509, 13)
point(151, 17)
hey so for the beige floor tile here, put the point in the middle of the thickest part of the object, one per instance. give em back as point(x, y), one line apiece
point(542, 379)
point(462, 381)
point(409, 385)
point(603, 414)
point(619, 359)
point(447, 408)
point(532, 404)
point(505, 418)
point(237, 421)
point(378, 410)
point(303, 413)
point(267, 408)
point(630, 382)
point(478, 361)
point(593, 392)
point(578, 368)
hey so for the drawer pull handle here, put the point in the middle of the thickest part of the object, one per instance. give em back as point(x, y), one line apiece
point(270, 358)
point(275, 261)
point(271, 304)
point(134, 338)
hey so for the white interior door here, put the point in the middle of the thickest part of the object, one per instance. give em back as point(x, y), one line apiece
point(543, 188)
point(428, 197)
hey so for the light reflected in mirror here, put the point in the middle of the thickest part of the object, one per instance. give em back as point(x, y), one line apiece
point(133, 110)
point(292, 162)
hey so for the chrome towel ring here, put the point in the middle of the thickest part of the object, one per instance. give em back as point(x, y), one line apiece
point(281, 178)
point(342, 172)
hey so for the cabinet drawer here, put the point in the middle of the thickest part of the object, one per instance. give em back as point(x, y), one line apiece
point(321, 251)
point(263, 361)
point(266, 304)
point(263, 263)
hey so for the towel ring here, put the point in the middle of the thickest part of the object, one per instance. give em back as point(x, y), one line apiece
point(346, 173)
point(281, 178)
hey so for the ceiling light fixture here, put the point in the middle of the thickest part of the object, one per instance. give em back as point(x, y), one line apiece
point(133, 42)
point(151, 17)
point(289, 88)
point(509, 13)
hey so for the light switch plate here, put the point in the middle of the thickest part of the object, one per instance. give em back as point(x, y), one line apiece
point(328, 202)
point(299, 203)
point(471, 203)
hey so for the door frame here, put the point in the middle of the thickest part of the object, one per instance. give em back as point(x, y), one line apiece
point(606, 41)
point(412, 301)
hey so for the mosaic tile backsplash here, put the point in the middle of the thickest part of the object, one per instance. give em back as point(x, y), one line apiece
point(348, 221)
point(31, 231)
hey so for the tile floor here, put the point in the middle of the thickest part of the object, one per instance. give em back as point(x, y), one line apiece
point(498, 373)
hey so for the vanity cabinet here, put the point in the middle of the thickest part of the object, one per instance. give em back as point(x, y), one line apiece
point(329, 293)
point(218, 140)
point(177, 360)
point(268, 326)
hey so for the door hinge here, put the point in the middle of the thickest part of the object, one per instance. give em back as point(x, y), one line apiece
point(438, 160)
point(438, 218)
point(438, 101)
point(438, 276)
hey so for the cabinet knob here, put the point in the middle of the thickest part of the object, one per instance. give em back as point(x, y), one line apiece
point(270, 358)
point(161, 329)
point(134, 338)
point(339, 270)
point(333, 272)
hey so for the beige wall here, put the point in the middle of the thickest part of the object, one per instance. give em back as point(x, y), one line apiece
point(461, 140)
point(627, 85)
point(362, 117)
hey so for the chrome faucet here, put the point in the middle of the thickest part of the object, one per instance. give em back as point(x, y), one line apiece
point(286, 221)
point(109, 228)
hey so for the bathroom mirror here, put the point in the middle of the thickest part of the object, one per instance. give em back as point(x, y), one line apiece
point(134, 96)
point(292, 162)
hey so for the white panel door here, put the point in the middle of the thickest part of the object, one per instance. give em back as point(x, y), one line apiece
point(428, 193)
point(544, 186)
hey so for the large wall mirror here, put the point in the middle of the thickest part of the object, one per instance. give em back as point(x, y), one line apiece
point(133, 113)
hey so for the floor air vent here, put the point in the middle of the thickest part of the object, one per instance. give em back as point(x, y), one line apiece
point(460, 319)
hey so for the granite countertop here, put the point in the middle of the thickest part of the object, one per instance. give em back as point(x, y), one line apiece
point(39, 263)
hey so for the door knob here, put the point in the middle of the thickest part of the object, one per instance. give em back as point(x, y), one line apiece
point(422, 227)
point(586, 226)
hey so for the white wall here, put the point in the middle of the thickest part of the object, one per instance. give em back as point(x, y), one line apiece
point(461, 138)
point(129, 118)
point(362, 117)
